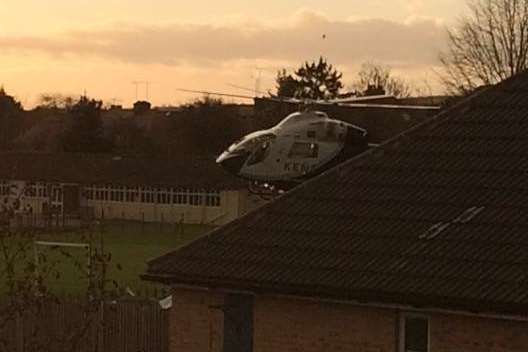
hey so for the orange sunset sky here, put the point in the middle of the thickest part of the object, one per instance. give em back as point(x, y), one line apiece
point(66, 47)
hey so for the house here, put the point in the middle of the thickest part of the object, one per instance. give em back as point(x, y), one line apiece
point(418, 245)
point(189, 190)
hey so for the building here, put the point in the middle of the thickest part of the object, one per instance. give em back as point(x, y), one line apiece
point(418, 245)
point(188, 190)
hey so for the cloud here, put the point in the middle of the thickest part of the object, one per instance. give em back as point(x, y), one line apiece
point(305, 36)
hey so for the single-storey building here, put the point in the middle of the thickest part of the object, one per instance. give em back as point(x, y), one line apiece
point(188, 190)
point(418, 245)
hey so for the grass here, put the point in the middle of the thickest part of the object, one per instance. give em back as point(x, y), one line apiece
point(130, 244)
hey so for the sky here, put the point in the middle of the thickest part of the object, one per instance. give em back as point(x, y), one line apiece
point(102, 47)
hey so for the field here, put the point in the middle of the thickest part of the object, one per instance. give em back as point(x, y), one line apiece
point(130, 245)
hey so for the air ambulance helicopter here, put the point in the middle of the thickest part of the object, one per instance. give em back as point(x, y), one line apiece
point(302, 145)
point(299, 147)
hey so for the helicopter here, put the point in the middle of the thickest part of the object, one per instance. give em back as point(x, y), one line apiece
point(300, 146)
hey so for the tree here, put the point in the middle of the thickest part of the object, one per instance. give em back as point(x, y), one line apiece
point(55, 101)
point(26, 278)
point(488, 46)
point(10, 110)
point(377, 79)
point(129, 137)
point(317, 80)
point(203, 127)
point(84, 132)
point(141, 107)
point(286, 85)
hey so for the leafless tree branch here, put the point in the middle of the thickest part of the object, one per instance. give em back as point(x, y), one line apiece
point(487, 46)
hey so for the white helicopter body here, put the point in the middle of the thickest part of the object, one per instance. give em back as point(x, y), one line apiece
point(301, 145)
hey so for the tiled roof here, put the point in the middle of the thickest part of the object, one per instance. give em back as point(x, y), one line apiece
point(437, 217)
point(189, 172)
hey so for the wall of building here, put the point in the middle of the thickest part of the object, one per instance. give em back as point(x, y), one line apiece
point(469, 334)
point(196, 325)
point(196, 322)
point(113, 202)
point(284, 324)
point(294, 325)
point(226, 211)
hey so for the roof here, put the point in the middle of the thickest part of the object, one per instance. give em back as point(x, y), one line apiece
point(185, 172)
point(434, 218)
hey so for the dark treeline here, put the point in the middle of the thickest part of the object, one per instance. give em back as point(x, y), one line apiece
point(84, 125)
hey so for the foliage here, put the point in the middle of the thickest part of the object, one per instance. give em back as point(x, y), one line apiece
point(55, 101)
point(488, 46)
point(204, 127)
point(84, 132)
point(377, 79)
point(26, 274)
point(141, 107)
point(10, 111)
point(316, 80)
point(129, 138)
point(286, 84)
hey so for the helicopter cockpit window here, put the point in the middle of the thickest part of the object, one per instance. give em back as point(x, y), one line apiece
point(261, 150)
point(304, 150)
point(250, 142)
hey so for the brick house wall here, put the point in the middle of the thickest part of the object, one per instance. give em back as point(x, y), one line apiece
point(195, 324)
point(295, 325)
point(451, 333)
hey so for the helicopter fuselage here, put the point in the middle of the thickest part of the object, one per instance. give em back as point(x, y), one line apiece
point(300, 146)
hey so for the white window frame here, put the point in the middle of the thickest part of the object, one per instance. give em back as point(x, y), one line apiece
point(401, 328)
point(196, 197)
point(213, 199)
point(180, 196)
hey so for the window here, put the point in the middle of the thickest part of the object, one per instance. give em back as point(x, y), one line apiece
point(414, 333)
point(131, 194)
point(180, 197)
point(304, 150)
point(196, 197)
point(212, 199)
point(147, 195)
point(4, 188)
point(260, 154)
point(164, 196)
point(31, 190)
point(56, 194)
point(42, 191)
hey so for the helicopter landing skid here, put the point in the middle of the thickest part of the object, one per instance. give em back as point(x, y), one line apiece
point(268, 191)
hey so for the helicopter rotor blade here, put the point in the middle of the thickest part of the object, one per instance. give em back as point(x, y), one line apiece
point(247, 89)
point(215, 93)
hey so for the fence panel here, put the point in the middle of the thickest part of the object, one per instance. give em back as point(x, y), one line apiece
point(120, 326)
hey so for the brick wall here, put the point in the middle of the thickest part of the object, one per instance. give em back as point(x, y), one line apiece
point(295, 325)
point(195, 324)
point(291, 325)
point(470, 334)
point(281, 325)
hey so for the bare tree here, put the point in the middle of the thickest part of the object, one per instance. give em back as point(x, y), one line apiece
point(488, 46)
point(377, 79)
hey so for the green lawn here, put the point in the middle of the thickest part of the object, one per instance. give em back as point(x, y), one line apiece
point(130, 244)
